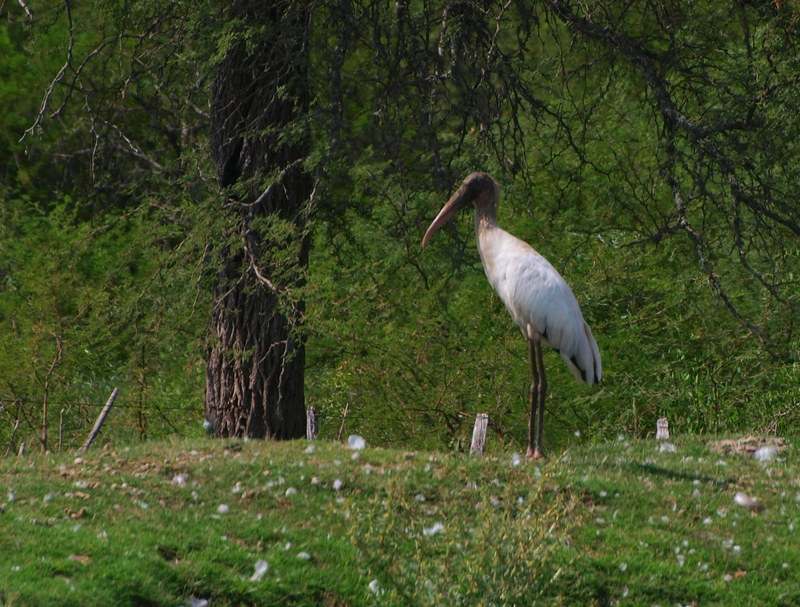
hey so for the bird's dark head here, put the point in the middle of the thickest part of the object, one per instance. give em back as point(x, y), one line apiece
point(478, 188)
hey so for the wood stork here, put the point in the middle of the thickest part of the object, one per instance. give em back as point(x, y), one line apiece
point(537, 297)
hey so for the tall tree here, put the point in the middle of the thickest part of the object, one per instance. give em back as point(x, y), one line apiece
point(256, 359)
point(145, 112)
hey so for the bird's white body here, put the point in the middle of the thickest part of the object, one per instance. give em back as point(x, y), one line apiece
point(537, 297)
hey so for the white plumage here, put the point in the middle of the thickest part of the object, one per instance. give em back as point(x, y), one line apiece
point(539, 300)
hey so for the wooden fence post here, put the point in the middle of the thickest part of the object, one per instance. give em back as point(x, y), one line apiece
point(662, 429)
point(100, 419)
point(11, 441)
point(61, 432)
point(312, 423)
point(479, 434)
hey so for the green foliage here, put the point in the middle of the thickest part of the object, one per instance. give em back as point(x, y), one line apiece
point(413, 345)
point(85, 308)
point(676, 235)
point(102, 279)
point(410, 346)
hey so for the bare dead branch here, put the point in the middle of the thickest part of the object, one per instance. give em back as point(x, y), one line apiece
point(37, 124)
point(716, 287)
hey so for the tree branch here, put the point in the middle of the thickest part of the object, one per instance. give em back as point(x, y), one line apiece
point(59, 77)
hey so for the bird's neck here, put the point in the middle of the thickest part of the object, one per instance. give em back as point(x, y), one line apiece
point(484, 220)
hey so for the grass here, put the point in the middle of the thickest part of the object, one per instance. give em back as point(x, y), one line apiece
point(179, 522)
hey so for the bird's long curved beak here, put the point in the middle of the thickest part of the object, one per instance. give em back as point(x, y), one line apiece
point(458, 201)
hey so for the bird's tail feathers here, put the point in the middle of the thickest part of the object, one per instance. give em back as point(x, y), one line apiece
point(597, 362)
point(585, 363)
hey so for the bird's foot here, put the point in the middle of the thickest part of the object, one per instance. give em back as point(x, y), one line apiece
point(537, 454)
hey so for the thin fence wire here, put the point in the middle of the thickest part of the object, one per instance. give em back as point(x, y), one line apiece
point(163, 416)
point(9, 401)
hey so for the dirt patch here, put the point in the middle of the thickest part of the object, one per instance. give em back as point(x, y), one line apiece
point(747, 445)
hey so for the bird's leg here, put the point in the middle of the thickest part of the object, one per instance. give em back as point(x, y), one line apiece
point(542, 392)
point(534, 399)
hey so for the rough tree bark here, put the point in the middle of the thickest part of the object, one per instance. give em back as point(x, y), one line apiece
point(255, 358)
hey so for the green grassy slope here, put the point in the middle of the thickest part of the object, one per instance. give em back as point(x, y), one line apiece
point(183, 522)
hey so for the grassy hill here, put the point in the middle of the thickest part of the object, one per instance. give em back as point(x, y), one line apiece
point(220, 523)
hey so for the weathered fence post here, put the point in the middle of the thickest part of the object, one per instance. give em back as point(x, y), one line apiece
point(100, 419)
point(479, 434)
point(10, 448)
point(662, 429)
point(312, 423)
point(344, 419)
point(61, 431)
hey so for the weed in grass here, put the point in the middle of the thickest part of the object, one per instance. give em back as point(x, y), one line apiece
point(473, 540)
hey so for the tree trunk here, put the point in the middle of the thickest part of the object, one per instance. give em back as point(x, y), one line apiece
point(255, 359)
